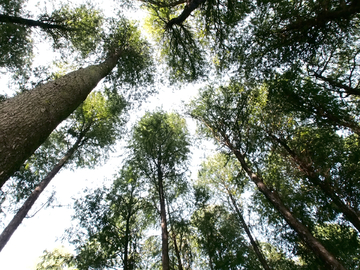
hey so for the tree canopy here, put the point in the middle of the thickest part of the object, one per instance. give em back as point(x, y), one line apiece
point(279, 99)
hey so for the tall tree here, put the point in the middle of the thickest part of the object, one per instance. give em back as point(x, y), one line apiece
point(160, 148)
point(94, 126)
point(222, 173)
point(220, 238)
point(231, 121)
point(111, 224)
point(29, 118)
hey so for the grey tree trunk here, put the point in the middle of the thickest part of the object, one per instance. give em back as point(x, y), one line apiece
point(28, 119)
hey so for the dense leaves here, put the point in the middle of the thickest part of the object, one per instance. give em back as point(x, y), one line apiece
point(283, 109)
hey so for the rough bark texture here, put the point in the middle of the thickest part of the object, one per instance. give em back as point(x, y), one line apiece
point(314, 178)
point(247, 230)
point(28, 119)
point(25, 208)
point(273, 197)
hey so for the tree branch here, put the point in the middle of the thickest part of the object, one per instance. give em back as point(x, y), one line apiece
point(32, 23)
point(348, 90)
point(190, 7)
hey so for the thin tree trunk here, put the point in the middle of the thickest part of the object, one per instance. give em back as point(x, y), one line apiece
point(32, 23)
point(164, 230)
point(25, 208)
point(305, 235)
point(247, 230)
point(28, 119)
point(127, 237)
point(177, 252)
point(273, 197)
point(313, 177)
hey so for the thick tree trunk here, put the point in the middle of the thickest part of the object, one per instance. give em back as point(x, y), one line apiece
point(247, 230)
point(164, 230)
point(25, 208)
point(350, 213)
point(273, 197)
point(32, 23)
point(28, 119)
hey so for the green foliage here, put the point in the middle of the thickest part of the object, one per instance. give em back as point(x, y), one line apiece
point(220, 239)
point(16, 44)
point(151, 253)
point(72, 28)
point(341, 240)
point(57, 259)
point(293, 165)
point(84, 23)
point(135, 68)
point(97, 123)
point(180, 51)
point(111, 224)
point(161, 139)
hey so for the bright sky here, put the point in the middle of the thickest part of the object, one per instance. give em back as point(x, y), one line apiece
point(43, 230)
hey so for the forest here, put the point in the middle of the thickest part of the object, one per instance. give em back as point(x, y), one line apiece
point(276, 87)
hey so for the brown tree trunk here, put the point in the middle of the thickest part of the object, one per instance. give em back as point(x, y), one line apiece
point(127, 242)
point(313, 177)
point(28, 119)
point(25, 208)
point(247, 230)
point(273, 197)
point(164, 230)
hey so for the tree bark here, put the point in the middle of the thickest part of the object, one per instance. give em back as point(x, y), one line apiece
point(273, 197)
point(247, 230)
point(313, 177)
point(32, 23)
point(25, 208)
point(28, 119)
point(164, 230)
